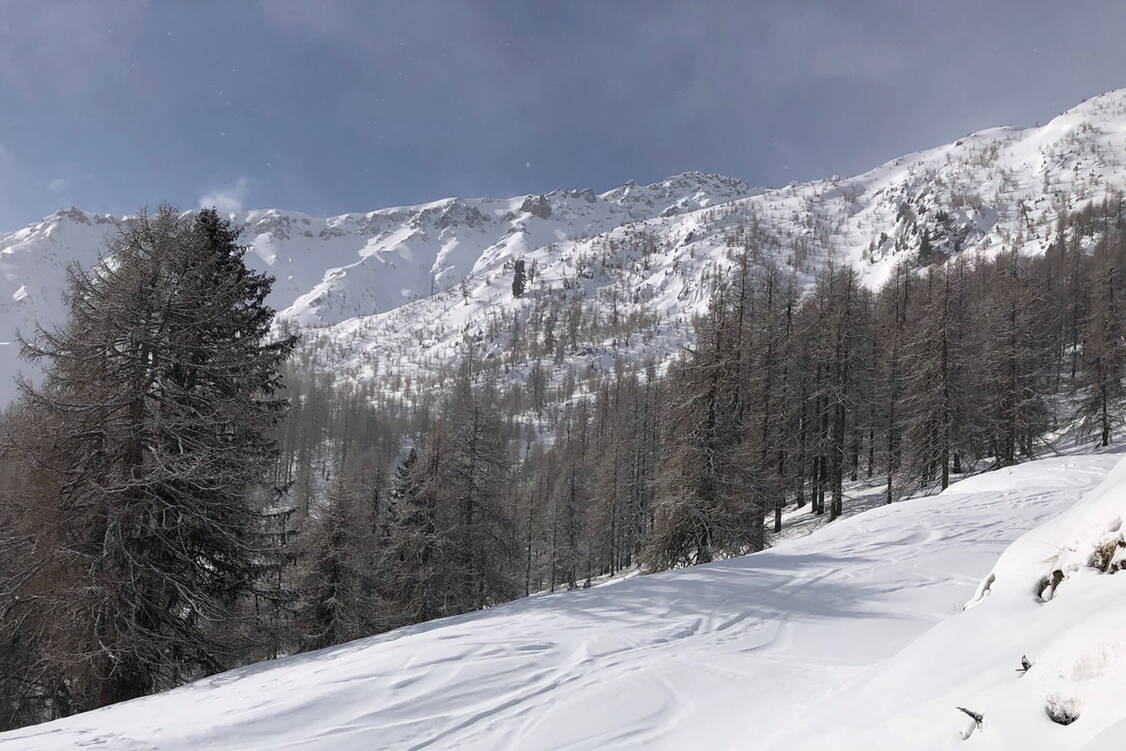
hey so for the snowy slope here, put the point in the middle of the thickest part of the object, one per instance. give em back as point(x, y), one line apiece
point(1075, 639)
point(33, 263)
point(852, 637)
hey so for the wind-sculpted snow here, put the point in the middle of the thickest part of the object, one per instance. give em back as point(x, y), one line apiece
point(852, 637)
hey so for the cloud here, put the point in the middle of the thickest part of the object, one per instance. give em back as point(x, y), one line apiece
point(226, 199)
point(57, 185)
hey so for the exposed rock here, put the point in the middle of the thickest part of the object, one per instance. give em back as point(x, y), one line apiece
point(537, 206)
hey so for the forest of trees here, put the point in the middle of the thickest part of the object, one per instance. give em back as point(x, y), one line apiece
point(168, 510)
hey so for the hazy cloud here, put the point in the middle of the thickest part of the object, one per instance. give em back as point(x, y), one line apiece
point(227, 199)
point(57, 185)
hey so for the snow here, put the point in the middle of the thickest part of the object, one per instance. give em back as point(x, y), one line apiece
point(853, 637)
point(1075, 641)
point(1112, 739)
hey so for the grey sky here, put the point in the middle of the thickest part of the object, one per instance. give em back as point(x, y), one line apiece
point(349, 106)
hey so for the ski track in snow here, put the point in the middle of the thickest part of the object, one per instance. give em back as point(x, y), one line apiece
point(735, 654)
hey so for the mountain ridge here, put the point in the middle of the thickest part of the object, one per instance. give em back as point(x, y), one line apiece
point(329, 269)
point(406, 285)
point(993, 189)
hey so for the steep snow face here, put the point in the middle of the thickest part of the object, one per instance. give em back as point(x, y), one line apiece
point(332, 269)
point(852, 637)
point(995, 188)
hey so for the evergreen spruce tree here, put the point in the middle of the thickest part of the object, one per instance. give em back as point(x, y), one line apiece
point(151, 442)
point(452, 544)
point(413, 565)
point(475, 479)
point(519, 278)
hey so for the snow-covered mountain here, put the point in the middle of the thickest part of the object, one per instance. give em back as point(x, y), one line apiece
point(333, 269)
point(408, 253)
point(854, 637)
point(986, 191)
point(402, 289)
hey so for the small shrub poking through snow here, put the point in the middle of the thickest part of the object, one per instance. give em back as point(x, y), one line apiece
point(1048, 585)
point(1109, 554)
point(1061, 710)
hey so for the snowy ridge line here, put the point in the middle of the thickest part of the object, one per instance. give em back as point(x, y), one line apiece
point(332, 269)
point(997, 188)
point(401, 288)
